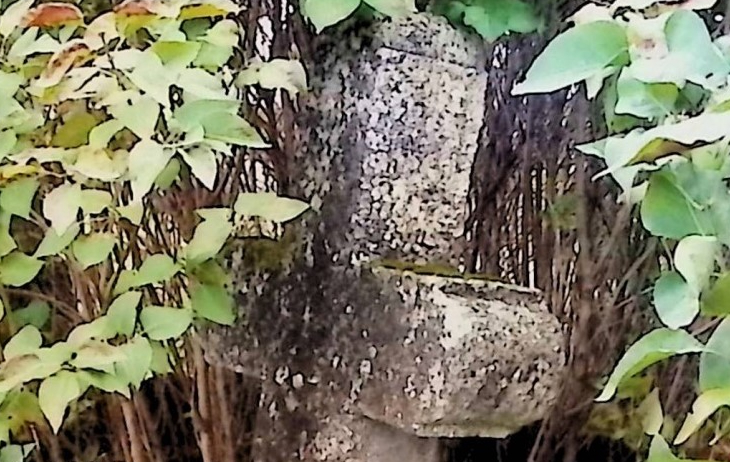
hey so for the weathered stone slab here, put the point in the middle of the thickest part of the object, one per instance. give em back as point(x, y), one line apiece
point(340, 337)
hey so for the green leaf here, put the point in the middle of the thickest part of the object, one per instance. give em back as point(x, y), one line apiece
point(99, 164)
point(74, 131)
point(176, 56)
point(704, 406)
point(18, 269)
point(646, 100)
point(714, 368)
point(138, 361)
point(36, 314)
point(94, 201)
point(140, 116)
point(17, 197)
point(655, 346)
point(233, 129)
point(202, 162)
point(578, 54)
point(61, 206)
point(147, 160)
point(26, 341)
point(12, 453)
point(164, 323)
point(287, 74)
point(213, 303)
point(98, 329)
point(652, 415)
point(150, 76)
point(110, 383)
point(55, 394)
point(13, 16)
point(98, 355)
point(8, 140)
point(200, 84)
point(716, 302)
point(210, 235)
point(101, 135)
point(7, 243)
point(324, 13)
point(93, 249)
point(395, 8)
point(694, 259)
point(169, 174)
point(269, 206)
point(667, 211)
point(53, 244)
point(494, 18)
point(155, 268)
point(161, 363)
point(659, 451)
point(122, 313)
point(675, 301)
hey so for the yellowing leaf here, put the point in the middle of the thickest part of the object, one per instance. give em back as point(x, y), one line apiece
point(61, 62)
point(652, 416)
point(704, 406)
point(26, 341)
point(53, 14)
point(100, 164)
point(8, 172)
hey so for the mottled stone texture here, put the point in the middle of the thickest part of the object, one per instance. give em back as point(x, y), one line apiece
point(356, 357)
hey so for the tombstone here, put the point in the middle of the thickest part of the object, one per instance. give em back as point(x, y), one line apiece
point(369, 342)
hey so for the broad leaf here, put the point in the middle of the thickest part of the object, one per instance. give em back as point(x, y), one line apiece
point(18, 269)
point(213, 303)
point(155, 268)
point(122, 313)
point(163, 323)
point(652, 415)
point(110, 383)
point(36, 314)
point(704, 406)
point(714, 367)
point(97, 355)
point(61, 206)
point(210, 235)
point(655, 346)
point(13, 16)
point(146, 160)
point(694, 259)
point(269, 206)
point(26, 341)
point(324, 13)
point(17, 197)
point(676, 302)
point(140, 116)
point(646, 100)
point(55, 394)
point(53, 244)
point(138, 360)
point(94, 201)
point(93, 249)
point(7, 243)
point(202, 162)
point(578, 54)
point(395, 8)
point(287, 74)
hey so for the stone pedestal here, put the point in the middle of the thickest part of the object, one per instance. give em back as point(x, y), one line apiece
point(369, 345)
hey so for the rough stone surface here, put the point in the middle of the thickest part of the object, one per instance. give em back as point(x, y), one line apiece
point(333, 333)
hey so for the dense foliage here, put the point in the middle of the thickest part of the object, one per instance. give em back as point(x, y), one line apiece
point(664, 83)
point(98, 116)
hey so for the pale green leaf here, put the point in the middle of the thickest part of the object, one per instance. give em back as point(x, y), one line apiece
point(30, 43)
point(655, 346)
point(36, 314)
point(99, 164)
point(161, 363)
point(200, 84)
point(110, 383)
point(213, 303)
point(210, 235)
point(8, 140)
point(74, 131)
point(138, 361)
point(156, 268)
point(98, 329)
point(97, 355)
point(269, 206)
point(101, 135)
point(150, 76)
point(53, 244)
point(93, 249)
point(715, 368)
point(94, 201)
point(575, 55)
point(13, 16)
point(324, 13)
point(176, 56)
point(26, 341)
point(395, 8)
point(694, 259)
point(675, 301)
point(202, 162)
point(146, 161)
point(55, 394)
point(652, 416)
point(7, 243)
point(17, 197)
point(61, 206)
point(704, 406)
point(286, 74)
point(646, 100)
point(140, 116)
point(169, 174)
point(132, 212)
point(666, 210)
point(18, 269)
point(122, 313)
point(164, 323)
